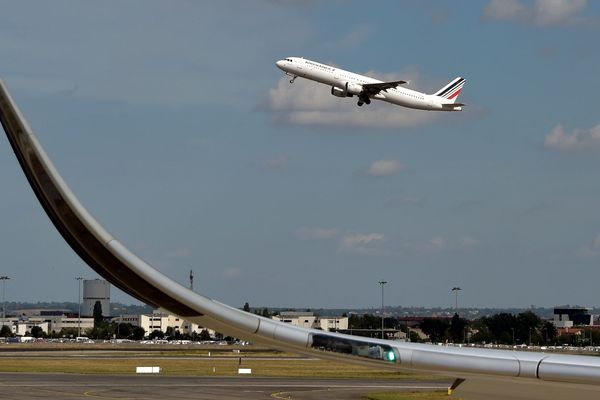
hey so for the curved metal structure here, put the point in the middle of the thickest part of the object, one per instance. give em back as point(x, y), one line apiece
point(111, 259)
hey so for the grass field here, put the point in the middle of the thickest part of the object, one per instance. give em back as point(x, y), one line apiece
point(202, 367)
point(174, 360)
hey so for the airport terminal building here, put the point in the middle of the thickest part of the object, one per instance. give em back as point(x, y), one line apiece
point(307, 319)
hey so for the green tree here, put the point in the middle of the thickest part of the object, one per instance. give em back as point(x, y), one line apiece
point(98, 317)
point(138, 333)
point(414, 337)
point(124, 330)
point(501, 327)
point(266, 313)
point(528, 324)
point(169, 332)
point(97, 332)
point(457, 329)
point(568, 339)
point(67, 332)
point(204, 335)
point(435, 328)
point(37, 332)
point(246, 307)
point(549, 332)
point(156, 334)
point(5, 331)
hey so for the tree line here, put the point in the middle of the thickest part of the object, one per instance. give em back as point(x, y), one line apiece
point(503, 328)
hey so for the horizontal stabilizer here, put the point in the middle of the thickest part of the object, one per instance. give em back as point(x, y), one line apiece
point(452, 105)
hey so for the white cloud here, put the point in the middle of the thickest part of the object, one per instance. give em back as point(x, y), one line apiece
point(466, 242)
point(440, 243)
point(592, 249)
point(542, 13)
point(232, 273)
point(180, 253)
point(559, 139)
point(512, 10)
point(353, 39)
point(277, 162)
point(317, 233)
point(385, 168)
point(362, 243)
point(310, 103)
point(556, 12)
point(436, 244)
point(415, 200)
point(412, 200)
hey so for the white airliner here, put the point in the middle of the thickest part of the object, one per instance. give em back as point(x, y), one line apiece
point(348, 84)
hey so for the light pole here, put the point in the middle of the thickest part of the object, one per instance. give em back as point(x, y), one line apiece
point(79, 279)
point(530, 336)
point(4, 279)
point(456, 289)
point(382, 316)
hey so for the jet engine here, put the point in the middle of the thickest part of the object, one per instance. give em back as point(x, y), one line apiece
point(353, 88)
point(337, 92)
point(349, 90)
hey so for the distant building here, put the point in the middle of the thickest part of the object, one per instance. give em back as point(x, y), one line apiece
point(58, 323)
point(22, 326)
point(304, 319)
point(49, 324)
point(161, 321)
point(567, 317)
point(149, 322)
point(307, 319)
point(95, 290)
point(331, 323)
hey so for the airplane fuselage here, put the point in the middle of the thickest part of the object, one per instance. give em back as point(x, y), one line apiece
point(347, 84)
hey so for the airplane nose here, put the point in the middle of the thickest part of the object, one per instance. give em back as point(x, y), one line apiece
point(279, 64)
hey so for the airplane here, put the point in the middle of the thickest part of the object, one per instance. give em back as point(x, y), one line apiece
point(348, 84)
point(480, 373)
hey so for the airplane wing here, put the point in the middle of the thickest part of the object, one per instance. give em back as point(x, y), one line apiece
point(487, 371)
point(373, 88)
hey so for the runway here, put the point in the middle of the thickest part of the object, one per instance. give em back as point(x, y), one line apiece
point(26, 386)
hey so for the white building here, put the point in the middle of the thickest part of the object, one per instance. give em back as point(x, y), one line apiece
point(304, 319)
point(49, 324)
point(307, 319)
point(149, 322)
point(332, 323)
point(22, 326)
point(57, 323)
point(161, 322)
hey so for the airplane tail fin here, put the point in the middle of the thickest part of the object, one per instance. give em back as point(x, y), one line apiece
point(451, 90)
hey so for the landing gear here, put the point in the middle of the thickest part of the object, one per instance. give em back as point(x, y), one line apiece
point(293, 79)
point(363, 100)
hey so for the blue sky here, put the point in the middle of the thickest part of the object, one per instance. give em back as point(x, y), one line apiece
point(172, 124)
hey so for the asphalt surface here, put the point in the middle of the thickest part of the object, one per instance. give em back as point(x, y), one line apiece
point(21, 386)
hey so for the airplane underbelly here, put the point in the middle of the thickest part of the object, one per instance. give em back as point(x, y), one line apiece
point(324, 77)
point(407, 101)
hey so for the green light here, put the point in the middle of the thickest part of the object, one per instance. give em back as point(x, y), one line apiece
point(391, 356)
